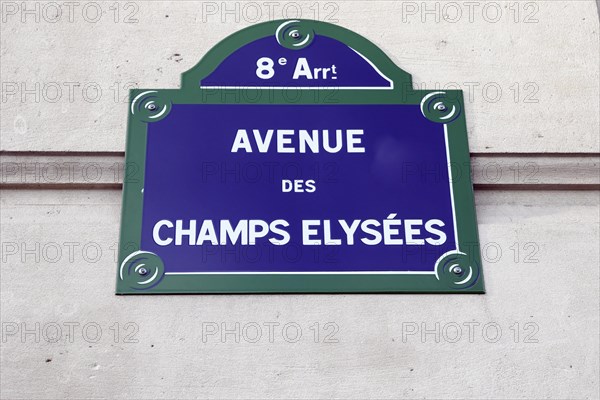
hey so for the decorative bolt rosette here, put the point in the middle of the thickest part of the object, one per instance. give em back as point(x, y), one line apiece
point(440, 107)
point(295, 34)
point(457, 270)
point(142, 270)
point(149, 107)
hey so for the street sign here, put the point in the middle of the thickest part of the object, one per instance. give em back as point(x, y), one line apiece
point(297, 158)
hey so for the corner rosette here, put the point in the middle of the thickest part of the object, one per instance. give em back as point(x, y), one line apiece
point(295, 34)
point(142, 270)
point(457, 270)
point(440, 107)
point(149, 106)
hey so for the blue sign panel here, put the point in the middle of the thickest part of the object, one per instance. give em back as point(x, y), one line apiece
point(324, 63)
point(298, 159)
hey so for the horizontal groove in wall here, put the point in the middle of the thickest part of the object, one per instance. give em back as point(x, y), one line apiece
point(491, 171)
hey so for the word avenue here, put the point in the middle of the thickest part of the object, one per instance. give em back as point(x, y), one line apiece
point(301, 141)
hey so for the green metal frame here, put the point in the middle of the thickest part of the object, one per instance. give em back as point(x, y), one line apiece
point(456, 272)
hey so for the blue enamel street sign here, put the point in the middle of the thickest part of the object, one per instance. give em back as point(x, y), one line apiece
point(296, 157)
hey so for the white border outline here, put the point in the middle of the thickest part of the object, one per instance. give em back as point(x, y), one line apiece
point(376, 69)
point(306, 273)
point(451, 190)
point(434, 272)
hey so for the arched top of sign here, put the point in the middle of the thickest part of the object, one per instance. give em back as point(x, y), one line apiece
point(296, 54)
